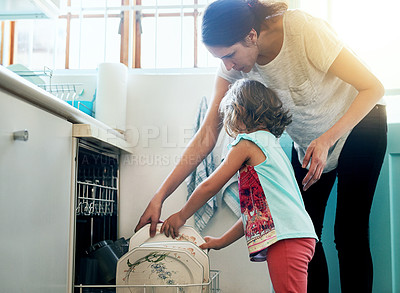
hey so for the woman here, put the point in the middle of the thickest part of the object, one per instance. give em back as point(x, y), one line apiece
point(338, 128)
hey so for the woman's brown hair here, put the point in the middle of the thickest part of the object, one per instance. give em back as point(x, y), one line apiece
point(249, 106)
point(227, 22)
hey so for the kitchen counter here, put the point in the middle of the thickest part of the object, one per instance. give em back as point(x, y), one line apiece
point(85, 125)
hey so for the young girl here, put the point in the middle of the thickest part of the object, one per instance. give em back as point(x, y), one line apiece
point(274, 220)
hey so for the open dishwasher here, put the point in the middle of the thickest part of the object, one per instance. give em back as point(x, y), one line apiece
point(96, 244)
point(97, 248)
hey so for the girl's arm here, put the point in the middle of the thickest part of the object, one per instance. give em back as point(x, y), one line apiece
point(198, 148)
point(234, 233)
point(236, 157)
point(348, 68)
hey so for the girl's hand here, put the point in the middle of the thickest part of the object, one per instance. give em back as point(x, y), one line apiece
point(212, 243)
point(317, 152)
point(172, 224)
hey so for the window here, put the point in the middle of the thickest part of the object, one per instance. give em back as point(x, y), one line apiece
point(372, 34)
point(139, 33)
point(39, 43)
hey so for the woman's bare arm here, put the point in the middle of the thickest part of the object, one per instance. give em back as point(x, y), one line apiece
point(198, 148)
point(348, 68)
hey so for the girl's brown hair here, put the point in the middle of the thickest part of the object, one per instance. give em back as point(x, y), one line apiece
point(250, 106)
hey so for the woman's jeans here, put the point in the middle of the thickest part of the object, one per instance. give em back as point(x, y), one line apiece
point(358, 170)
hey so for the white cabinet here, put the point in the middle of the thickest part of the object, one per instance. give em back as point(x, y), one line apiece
point(35, 189)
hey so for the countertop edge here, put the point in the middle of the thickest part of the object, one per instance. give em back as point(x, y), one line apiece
point(29, 92)
point(17, 85)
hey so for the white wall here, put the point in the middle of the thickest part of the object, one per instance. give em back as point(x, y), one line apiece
point(161, 112)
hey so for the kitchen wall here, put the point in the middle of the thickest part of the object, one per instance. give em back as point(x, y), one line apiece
point(161, 112)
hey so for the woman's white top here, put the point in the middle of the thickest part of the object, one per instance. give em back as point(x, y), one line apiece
point(299, 75)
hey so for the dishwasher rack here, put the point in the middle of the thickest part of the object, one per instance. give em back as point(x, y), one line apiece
point(64, 91)
point(97, 184)
point(211, 287)
point(95, 199)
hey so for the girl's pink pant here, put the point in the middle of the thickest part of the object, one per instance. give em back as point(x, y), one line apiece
point(288, 263)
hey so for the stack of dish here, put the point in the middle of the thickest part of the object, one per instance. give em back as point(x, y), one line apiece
point(162, 261)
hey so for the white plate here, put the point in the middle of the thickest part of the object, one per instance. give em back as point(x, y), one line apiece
point(186, 233)
point(158, 266)
point(190, 247)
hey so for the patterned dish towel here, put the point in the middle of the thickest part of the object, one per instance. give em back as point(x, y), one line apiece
point(206, 167)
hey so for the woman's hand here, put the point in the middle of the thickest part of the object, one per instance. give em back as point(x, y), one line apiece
point(212, 243)
point(317, 152)
point(172, 224)
point(151, 215)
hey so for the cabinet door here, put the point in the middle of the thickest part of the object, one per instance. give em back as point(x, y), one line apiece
point(35, 188)
point(385, 219)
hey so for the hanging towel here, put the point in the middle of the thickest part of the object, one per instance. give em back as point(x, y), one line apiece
point(230, 195)
point(230, 191)
point(205, 168)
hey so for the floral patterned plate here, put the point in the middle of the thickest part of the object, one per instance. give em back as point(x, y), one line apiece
point(190, 247)
point(159, 266)
point(186, 233)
